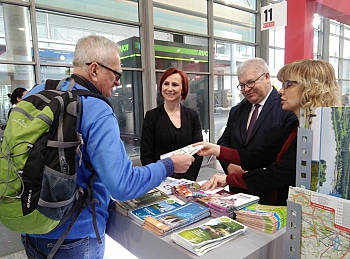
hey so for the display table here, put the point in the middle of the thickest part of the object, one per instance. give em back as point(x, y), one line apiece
point(146, 245)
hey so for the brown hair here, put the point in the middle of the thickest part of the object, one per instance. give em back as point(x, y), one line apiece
point(184, 79)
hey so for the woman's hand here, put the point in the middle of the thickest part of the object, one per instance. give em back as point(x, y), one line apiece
point(218, 180)
point(208, 149)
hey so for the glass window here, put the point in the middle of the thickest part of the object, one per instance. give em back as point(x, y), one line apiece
point(346, 69)
point(181, 15)
point(226, 95)
point(126, 10)
point(245, 3)
point(233, 24)
point(185, 52)
point(58, 34)
point(346, 49)
point(229, 55)
point(335, 63)
point(127, 102)
point(17, 31)
point(277, 37)
point(11, 77)
point(334, 46)
point(335, 27)
point(347, 31)
point(276, 60)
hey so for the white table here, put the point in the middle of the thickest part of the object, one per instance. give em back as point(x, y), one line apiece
point(146, 245)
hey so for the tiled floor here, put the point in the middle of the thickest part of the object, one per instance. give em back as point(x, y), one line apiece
point(11, 247)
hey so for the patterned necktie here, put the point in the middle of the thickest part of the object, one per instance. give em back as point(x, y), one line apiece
point(252, 121)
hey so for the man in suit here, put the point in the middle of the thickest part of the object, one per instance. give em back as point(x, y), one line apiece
point(271, 121)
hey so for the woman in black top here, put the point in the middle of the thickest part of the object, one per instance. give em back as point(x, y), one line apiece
point(171, 125)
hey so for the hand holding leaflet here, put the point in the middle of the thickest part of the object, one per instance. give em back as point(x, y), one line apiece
point(191, 150)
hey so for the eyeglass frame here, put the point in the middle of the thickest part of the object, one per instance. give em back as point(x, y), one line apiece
point(117, 74)
point(288, 83)
point(241, 87)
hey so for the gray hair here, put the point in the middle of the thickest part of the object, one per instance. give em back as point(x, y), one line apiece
point(257, 64)
point(94, 48)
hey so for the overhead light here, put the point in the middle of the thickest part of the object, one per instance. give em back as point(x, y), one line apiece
point(21, 29)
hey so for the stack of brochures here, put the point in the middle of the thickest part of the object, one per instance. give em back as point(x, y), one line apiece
point(225, 206)
point(170, 221)
point(209, 235)
point(154, 209)
point(151, 197)
point(266, 218)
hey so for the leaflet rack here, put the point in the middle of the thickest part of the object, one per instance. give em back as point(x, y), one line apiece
point(303, 180)
point(304, 157)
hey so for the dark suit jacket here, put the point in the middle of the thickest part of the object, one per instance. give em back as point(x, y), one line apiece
point(272, 123)
point(159, 137)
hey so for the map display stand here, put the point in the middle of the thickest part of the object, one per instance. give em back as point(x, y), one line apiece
point(324, 229)
point(293, 230)
point(318, 225)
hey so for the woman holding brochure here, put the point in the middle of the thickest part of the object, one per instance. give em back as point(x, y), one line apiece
point(306, 83)
point(171, 125)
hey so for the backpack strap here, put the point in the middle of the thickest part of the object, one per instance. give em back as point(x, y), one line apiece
point(83, 195)
point(56, 84)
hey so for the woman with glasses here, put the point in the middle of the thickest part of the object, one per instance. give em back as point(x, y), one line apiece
point(305, 83)
point(171, 125)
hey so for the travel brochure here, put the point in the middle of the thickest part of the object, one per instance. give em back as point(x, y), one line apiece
point(169, 221)
point(155, 209)
point(151, 197)
point(191, 150)
point(209, 235)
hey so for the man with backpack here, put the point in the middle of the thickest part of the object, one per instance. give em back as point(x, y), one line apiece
point(97, 68)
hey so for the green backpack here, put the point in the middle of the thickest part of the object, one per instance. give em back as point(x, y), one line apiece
point(38, 162)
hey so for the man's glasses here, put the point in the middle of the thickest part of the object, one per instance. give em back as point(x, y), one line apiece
point(288, 83)
point(250, 84)
point(116, 73)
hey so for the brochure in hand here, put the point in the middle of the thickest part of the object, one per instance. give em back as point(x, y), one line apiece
point(167, 222)
point(209, 235)
point(191, 150)
point(151, 197)
point(155, 209)
point(266, 218)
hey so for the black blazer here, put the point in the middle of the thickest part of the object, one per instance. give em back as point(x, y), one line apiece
point(159, 136)
point(272, 123)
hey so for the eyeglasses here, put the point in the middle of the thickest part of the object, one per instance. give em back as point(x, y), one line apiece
point(288, 83)
point(117, 74)
point(250, 84)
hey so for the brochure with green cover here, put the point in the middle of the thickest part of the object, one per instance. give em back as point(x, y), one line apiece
point(209, 235)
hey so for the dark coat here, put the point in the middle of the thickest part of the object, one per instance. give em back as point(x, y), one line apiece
point(273, 123)
point(158, 137)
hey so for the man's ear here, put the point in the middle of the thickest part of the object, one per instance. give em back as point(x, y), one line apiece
point(93, 72)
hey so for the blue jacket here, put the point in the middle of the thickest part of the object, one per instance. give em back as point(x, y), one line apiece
point(116, 176)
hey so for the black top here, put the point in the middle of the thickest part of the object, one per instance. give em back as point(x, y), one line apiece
point(160, 136)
